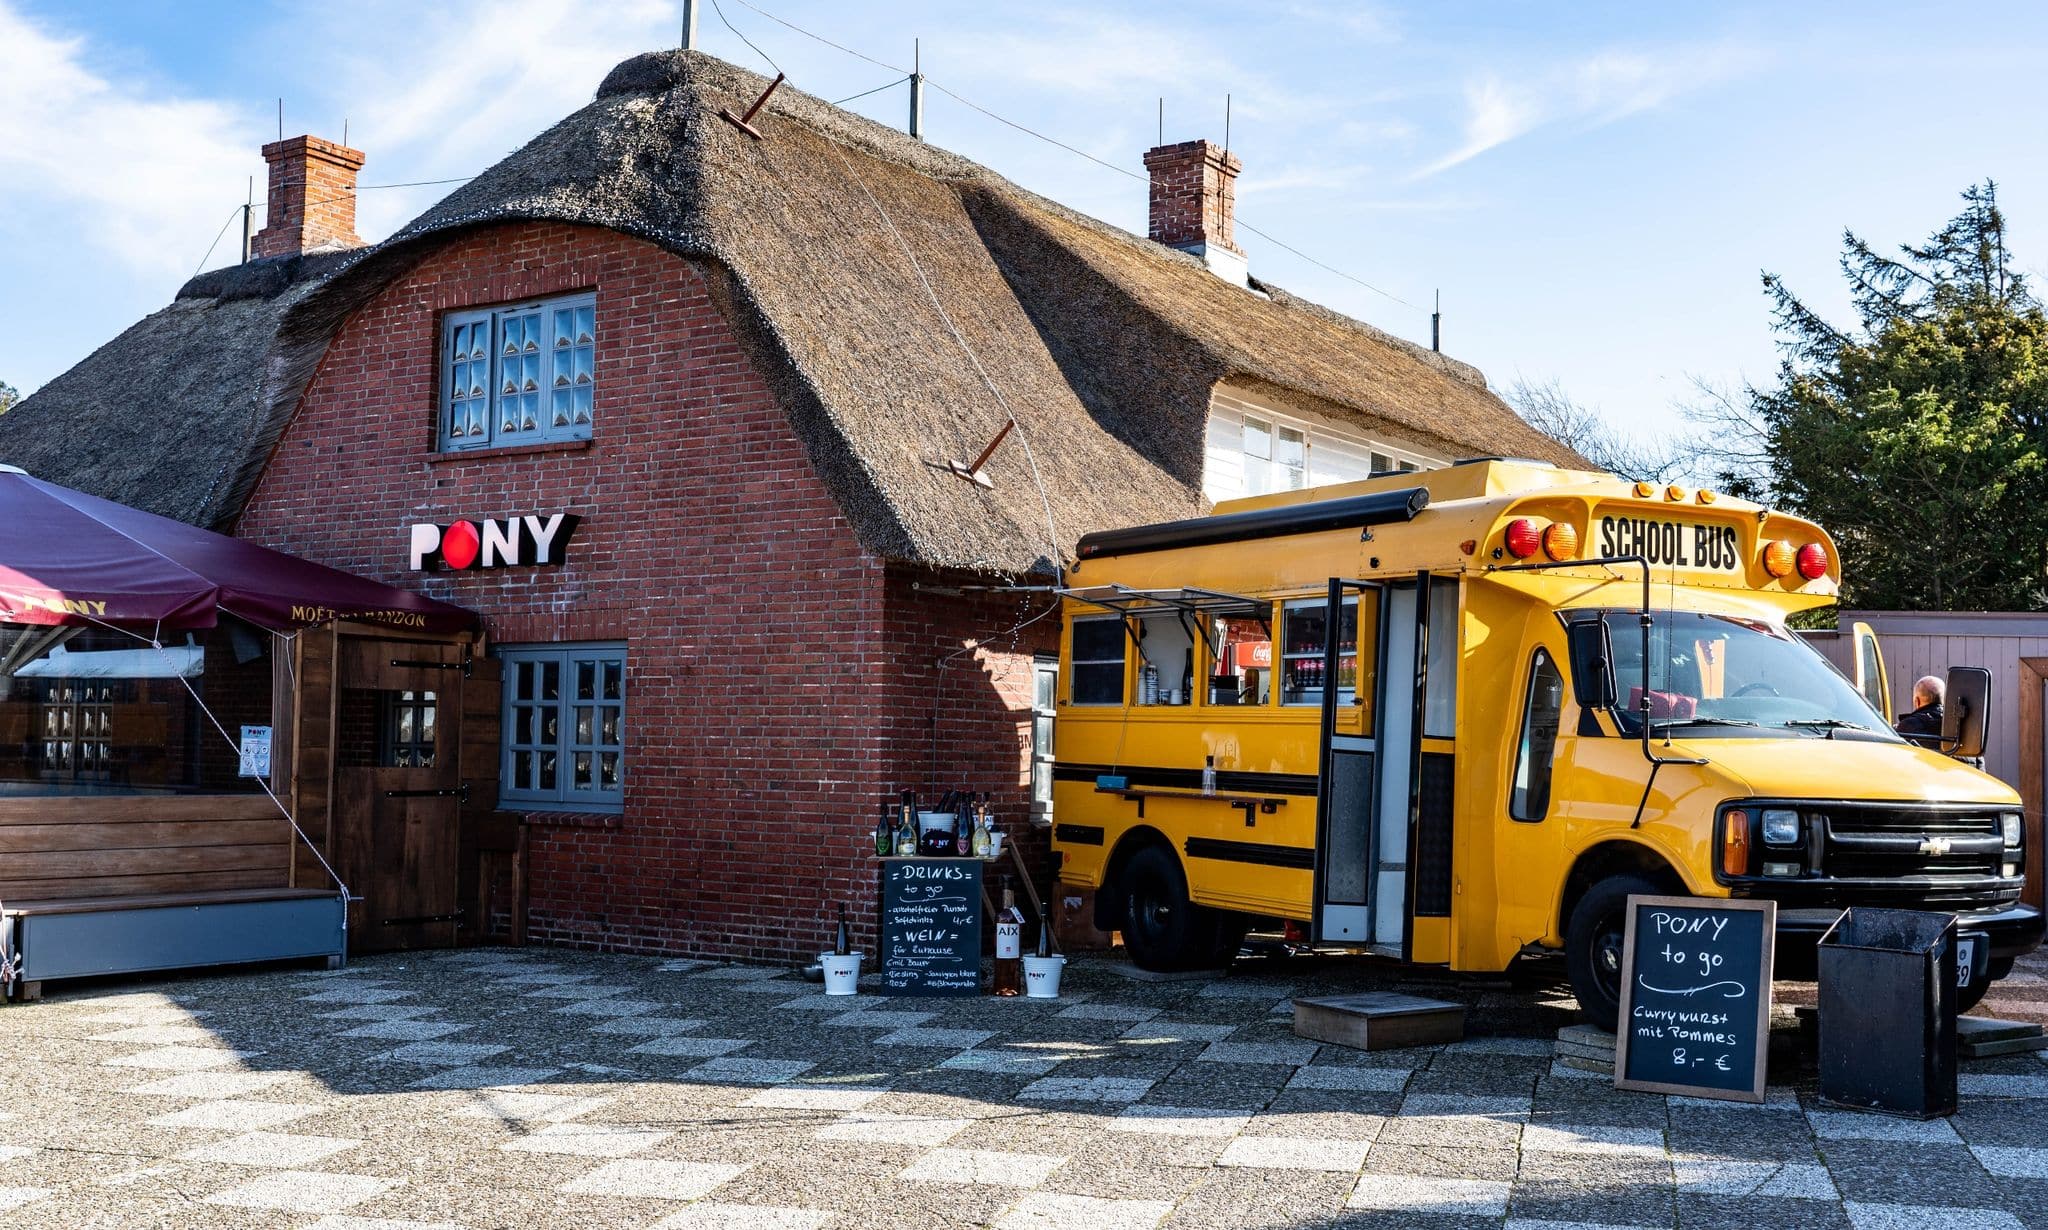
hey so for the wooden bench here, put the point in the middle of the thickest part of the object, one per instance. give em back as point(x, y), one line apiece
point(94, 885)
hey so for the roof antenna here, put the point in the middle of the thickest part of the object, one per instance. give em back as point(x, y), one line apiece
point(917, 89)
point(247, 206)
point(1162, 119)
point(280, 119)
point(689, 25)
point(1436, 322)
point(1226, 123)
point(344, 130)
point(744, 122)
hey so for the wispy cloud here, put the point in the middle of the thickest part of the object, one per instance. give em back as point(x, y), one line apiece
point(139, 176)
point(1590, 91)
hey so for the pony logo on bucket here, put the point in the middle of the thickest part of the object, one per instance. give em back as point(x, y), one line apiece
point(492, 543)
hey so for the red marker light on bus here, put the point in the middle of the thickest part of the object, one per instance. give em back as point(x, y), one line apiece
point(1813, 561)
point(1561, 542)
point(1778, 558)
point(1522, 538)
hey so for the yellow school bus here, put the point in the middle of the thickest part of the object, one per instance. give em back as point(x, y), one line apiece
point(1548, 689)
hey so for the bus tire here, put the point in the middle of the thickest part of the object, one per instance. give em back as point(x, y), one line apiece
point(1162, 929)
point(1593, 944)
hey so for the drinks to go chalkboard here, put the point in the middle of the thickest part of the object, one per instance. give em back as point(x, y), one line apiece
point(1009, 975)
point(842, 943)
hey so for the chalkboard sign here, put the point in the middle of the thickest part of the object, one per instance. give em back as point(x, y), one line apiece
point(1695, 997)
point(931, 926)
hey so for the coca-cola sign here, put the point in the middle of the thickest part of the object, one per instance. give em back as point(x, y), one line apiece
point(492, 542)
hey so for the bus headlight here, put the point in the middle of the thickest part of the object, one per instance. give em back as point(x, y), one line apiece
point(1781, 827)
point(2009, 824)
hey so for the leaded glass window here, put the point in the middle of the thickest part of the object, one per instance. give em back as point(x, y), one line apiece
point(519, 374)
point(565, 726)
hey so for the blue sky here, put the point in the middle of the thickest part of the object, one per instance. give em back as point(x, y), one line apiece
point(1593, 188)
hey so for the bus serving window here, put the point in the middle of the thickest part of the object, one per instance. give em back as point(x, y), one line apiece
point(1305, 632)
point(1099, 661)
point(1530, 798)
point(1166, 660)
point(1241, 659)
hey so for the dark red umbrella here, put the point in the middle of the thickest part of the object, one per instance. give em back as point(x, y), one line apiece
point(70, 558)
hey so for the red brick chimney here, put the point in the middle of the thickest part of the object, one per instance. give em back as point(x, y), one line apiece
point(1194, 203)
point(312, 197)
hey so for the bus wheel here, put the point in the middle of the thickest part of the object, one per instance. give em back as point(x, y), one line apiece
point(1592, 945)
point(1162, 929)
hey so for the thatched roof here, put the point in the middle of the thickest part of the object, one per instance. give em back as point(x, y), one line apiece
point(172, 416)
point(1105, 346)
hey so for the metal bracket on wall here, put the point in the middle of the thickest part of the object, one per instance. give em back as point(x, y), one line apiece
point(466, 666)
point(457, 792)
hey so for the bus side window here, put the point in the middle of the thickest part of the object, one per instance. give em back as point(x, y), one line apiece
point(1241, 661)
point(1099, 660)
point(1530, 798)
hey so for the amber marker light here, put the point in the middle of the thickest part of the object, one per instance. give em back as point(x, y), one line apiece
point(1705, 497)
point(1735, 843)
point(1645, 490)
point(1561, 542)
point(1522, 538)
point(1674, 493)
point(1813, 561)
point(1778, 558)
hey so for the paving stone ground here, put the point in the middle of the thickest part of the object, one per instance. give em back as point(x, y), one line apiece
point(542, 1088)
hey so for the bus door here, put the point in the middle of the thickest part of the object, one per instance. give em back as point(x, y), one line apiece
point(1371, 769)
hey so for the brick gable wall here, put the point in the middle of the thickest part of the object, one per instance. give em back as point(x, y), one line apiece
point(781, 681)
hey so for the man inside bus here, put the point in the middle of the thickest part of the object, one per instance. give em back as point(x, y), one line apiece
point(1923, 725)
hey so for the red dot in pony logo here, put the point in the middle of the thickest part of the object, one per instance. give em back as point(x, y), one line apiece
point(459, 545)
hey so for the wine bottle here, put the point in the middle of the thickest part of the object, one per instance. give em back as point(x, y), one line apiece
point(1044, 935)
point(885, 831)
point(842, 943)
point(979, 848)
point(1009, 976)
point(963, 830)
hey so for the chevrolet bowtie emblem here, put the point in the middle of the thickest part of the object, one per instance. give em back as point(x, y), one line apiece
point(1937, 846)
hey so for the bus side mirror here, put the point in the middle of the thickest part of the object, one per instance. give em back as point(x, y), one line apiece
point(1966, 711)
point(1592, 663)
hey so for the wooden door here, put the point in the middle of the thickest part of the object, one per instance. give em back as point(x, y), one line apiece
point(398, 790)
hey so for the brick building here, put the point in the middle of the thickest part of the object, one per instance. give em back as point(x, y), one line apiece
point(745, 366)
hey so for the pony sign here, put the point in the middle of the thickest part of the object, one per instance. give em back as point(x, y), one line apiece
point(492, 543)
point(1696, 997)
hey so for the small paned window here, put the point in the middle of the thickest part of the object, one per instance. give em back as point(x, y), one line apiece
point(565, 726)
point(1099, 661)
point(406, 740)
point(1275, 458)
point(1045, 682)
point(1530, 797)
point(77, 729)
point(519, 374)
point(1304, 636)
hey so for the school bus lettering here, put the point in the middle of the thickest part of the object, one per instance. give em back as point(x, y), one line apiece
point(1391, 742)
point(1674, 544)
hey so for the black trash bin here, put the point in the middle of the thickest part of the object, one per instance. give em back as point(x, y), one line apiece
point(1888, 1012)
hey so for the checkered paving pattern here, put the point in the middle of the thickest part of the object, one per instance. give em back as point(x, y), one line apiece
point(538, 1088)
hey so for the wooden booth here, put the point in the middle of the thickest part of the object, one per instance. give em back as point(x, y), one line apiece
point(214, 753)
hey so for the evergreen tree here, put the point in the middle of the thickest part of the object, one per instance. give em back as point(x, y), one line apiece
point(1919, 438)
point(7, 397)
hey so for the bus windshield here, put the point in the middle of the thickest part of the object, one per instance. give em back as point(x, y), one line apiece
point(1730, 677)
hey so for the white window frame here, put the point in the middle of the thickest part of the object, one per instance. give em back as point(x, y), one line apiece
point(566, 375)
point(1045, 682)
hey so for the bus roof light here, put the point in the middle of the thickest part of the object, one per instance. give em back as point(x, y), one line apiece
point(1778, 558)
point(1813, 561)
point(1645, 490)
point(1522, 538)
point(1674, 493)
point(1561, 542)
point(1705, 496)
